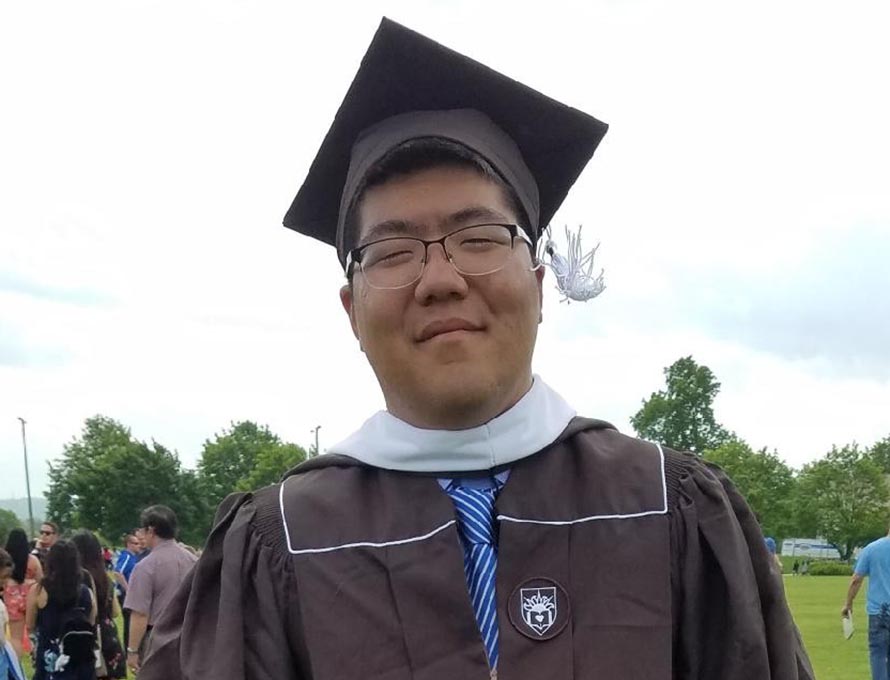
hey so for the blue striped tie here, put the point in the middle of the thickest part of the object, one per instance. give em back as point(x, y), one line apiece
point(475, 520)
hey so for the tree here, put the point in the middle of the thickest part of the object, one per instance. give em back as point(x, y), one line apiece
point(105, 478)
point(243, 458)
point(682, 416)
point(272, 463)
point(843, 497)
point(765, 481)
point(231, 457)
point(880, 454)
point(8, 521)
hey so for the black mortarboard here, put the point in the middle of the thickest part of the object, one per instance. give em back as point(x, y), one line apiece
point(539, 145)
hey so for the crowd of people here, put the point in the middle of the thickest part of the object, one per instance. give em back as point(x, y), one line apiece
point(60, 597)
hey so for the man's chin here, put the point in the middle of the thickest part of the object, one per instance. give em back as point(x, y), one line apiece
point(458, 397)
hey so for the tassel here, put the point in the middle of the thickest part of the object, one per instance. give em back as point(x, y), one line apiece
point(573, 272)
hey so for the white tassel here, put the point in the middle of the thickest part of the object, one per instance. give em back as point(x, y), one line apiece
point(574, 273)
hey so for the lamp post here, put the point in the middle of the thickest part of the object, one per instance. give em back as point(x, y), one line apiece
point(27, 479)
point(315, 430)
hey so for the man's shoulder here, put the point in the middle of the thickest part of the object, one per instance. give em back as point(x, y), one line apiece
point(882, 546)
point(143, 565)
point(597, 437)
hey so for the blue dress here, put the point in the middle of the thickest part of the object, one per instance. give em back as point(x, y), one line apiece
point(49, 623)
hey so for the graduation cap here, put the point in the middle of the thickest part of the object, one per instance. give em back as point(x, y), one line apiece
point(410, 87)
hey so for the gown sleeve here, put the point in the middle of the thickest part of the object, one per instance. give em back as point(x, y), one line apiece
point(732, 620)
point(236, 615)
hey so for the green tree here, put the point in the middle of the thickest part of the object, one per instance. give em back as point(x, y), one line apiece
point(272, 462)
point(842, 497)
point(880, 454)
point(8, 521)
point(765, 481)
point(682, 415)
point(242, 458)
point(105, 478)
point(231, 457)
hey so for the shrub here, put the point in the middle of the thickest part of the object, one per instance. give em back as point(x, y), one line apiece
point(830, 568)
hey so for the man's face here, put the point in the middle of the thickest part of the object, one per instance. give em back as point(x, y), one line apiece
point(134, 544)
point(47, 536)
point(462, 378)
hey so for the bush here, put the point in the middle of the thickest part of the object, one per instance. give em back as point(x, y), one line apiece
point(830, 568)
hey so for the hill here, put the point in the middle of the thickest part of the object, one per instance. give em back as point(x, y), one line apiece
point(20, 507)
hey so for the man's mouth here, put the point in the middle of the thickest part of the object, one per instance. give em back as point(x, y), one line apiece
point(444, 326)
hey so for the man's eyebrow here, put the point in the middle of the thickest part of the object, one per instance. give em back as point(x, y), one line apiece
point(478, 214)
point(389, 228)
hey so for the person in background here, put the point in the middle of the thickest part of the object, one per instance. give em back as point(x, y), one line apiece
point(874, 563)
point(5, 655)
point(49, 534)
point(127, 559)
point(113, 662)
point(53, 604)
point(26, 572)
point(154, 580)
point(770, 543)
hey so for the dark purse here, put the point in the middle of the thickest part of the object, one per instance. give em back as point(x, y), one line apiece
point(113, 662)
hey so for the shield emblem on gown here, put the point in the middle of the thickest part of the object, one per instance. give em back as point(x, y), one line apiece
point(538, 607)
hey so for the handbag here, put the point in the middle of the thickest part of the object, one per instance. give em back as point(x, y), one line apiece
point(111, 652)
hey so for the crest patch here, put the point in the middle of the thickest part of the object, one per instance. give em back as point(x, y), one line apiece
point(539, 608)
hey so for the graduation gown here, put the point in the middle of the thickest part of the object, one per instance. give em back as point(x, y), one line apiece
point(617, 559)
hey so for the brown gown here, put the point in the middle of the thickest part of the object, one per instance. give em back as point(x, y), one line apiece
point(651, 562)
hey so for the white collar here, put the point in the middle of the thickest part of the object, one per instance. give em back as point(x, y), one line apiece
point(532, 423)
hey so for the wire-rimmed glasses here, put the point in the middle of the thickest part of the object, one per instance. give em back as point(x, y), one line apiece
point(398, 261)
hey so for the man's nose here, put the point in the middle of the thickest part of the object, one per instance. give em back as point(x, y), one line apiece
point(439, 279)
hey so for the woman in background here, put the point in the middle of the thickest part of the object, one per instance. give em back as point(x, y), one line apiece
point(5, 571)
point(93, 562)
point(26, 571)
point(53, 604)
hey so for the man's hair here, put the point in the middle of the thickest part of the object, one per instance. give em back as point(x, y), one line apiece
point(160, 518)
point(416, 155)
point(53, 525)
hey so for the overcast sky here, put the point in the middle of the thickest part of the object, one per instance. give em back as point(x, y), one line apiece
point(149, 150)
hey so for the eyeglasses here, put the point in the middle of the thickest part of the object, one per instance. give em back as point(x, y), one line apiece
point(399, 261)
point(46, 533)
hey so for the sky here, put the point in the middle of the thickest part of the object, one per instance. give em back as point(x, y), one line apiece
point(149, 150)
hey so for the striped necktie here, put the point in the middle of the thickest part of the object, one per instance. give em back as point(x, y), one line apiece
point(475, 520)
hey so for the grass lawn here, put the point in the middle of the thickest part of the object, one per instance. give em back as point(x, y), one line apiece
point(816, 603)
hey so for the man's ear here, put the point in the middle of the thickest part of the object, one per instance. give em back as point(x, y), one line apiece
point(348, 301)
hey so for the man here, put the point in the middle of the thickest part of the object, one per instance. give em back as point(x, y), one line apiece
point(154, 579)
point(874, 562)
point(127, 560)
point(49, 534)
point(476, 527)
point(770, 544)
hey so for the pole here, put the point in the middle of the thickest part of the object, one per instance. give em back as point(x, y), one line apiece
point(27, 479)
point(315, 430)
